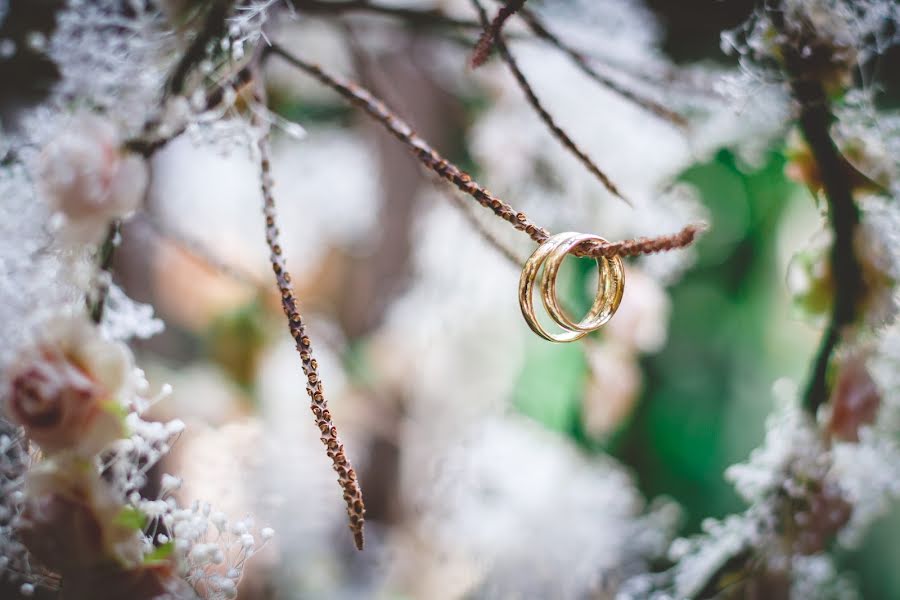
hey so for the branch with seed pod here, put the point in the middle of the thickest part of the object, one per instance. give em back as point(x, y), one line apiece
point(347, 478)
point(542, 112)
point(429, 157)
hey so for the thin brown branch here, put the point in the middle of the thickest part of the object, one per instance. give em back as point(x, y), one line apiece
point(347, 478)
point(429, 157)
point(149, 142)
point(423, 151)
point(212, 29)
point(104, 274)
point(486, 234)
point(492, 30)
point(431, 17)
point(542, 112)
point(815, 120)
point(582, 62)
point(645, 245)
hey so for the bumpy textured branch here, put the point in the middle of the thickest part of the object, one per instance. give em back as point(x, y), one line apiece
point(346, 475)
point(492, 30)
point(544, 115)
point(462, 180)
point(580, 61)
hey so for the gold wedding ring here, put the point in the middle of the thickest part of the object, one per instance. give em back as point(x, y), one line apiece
point(549, 256)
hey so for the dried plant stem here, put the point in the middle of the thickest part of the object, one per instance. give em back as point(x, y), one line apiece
point(542, 112)
point(581, 61)
point(150, 141)
point(450, 172)
point(492, 30)
point(413, 16)
point(403, 132)
point(106, 252)
point(213, 28)
point(346, 474)
point(508, 253)
point(843, 215)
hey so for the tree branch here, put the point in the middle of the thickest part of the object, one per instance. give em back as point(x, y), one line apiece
point(544, 115)
point(377, 109)
point(492, 29)
point(104, 274)
point(432, 17)
point(843, 215)
point(581, 61)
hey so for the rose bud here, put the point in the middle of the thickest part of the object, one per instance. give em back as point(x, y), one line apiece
point(85, 175)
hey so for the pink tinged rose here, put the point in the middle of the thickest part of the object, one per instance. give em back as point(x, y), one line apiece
point(68, 391)
point(62, 407)
point(86, 176)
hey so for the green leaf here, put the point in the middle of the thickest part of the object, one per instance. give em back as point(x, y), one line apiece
point(132, 518)
point(160, 554)
point(550, 386)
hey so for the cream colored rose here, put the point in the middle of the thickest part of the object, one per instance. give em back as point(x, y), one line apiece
point(85, 175)
point(68, 392)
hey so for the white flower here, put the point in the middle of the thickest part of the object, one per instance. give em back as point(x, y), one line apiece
point(85, 175)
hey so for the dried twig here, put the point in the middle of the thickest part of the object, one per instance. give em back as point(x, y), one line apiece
point(644, 245)
point(492, 31)
point(843, 215)
point(508, 253)
point(213, 28)
point(431, 17)
point(107, 249)
point(462, 180)
point(544, 115)
point(346, 474)
point(150, 141)
point(581, 61)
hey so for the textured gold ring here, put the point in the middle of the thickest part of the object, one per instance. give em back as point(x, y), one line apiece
point(550, 256)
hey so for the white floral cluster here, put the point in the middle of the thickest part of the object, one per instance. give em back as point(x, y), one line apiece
point(211, 551)
point(112, 56)
point(79, 397)
point(75, 452)
point(850, 31)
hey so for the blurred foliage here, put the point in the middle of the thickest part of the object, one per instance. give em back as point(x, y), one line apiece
point(678, 441)
point(235, 342)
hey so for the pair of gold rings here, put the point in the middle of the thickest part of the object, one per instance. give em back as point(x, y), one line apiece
point(550, 256)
